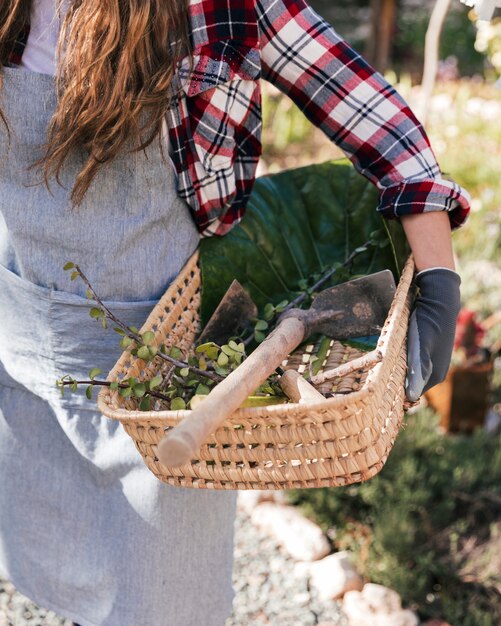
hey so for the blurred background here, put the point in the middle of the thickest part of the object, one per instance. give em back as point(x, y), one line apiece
point(429, 526)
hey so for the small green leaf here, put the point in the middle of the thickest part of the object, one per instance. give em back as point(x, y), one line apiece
point(184, 372)
point(73, 275)
point(96, 313)
point(222, 371)
point(241, 347)
point(155, 382)
point(134, 329)
point(202, 390)
point(202, 363)
point(103, 322)
point(228, 351)
point(68, 266)
point(212, 353)
point(175, 352)
point(89, 295)
point(233, 345)
point(203, 347)
point(139, 390)
point(222, 359)
point(94, 372)
point(119, 331)
point(125, 342)
point(74, 386)
point(281, 306)
point(261, 325)
point(145, 404)
point(88, 392)
point(177, 404)
point(125, 392)
point(153, 350)
point(259, 336)
point(114, 385)
point(269, 311)
point(143, 353)
point(148, 337)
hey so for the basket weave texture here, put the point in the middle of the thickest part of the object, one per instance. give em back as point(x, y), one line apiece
point(342, 440)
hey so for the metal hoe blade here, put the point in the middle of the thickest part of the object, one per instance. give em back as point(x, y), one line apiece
point(235, 308)
point(360, 305)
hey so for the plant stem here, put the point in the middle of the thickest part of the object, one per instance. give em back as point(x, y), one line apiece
point(330, 273)
point(104, 383)
point(137, 337)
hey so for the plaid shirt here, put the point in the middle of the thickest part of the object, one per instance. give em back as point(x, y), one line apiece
point(214, 124)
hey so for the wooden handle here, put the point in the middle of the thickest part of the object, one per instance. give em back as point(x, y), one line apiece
point(298, 389)
point(183, 442)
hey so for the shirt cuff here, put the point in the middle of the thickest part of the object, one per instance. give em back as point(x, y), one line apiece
point(411, 197)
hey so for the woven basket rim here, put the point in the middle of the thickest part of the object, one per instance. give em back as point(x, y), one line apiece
point(173, 418)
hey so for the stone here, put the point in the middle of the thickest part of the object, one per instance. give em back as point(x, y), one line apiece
point(248, 499)
point(334, 575)
point(301, 538)
point(381, 599)
point(377, 605)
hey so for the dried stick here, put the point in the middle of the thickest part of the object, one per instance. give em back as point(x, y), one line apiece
point(366, 360)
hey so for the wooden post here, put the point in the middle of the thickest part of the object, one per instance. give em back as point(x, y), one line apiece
point(379, 47)
point(431, 53)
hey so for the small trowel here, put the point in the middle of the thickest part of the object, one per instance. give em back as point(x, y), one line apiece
point(356, 308)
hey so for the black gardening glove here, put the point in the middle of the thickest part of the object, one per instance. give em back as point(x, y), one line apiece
point(432, 327)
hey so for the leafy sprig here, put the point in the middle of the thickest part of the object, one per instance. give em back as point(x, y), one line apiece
point(142, 344)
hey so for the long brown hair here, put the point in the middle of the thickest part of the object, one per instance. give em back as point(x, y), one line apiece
point(115, 59)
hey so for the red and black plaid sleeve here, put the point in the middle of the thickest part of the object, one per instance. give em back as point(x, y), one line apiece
point(356, 108)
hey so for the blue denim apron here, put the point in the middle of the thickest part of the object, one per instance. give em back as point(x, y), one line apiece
point(85, 529)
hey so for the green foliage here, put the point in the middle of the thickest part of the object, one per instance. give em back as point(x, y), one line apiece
point(409, 525)
point(299, 223)
point(457, 39)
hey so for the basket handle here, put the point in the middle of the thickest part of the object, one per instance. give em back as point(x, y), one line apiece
point(184, 441)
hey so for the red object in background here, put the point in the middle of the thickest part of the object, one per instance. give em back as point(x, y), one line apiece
point(469, 333)
point(461, 399)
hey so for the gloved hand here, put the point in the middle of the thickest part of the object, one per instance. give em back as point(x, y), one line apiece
point(432, 327)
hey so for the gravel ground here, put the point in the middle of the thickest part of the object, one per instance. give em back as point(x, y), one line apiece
point(266, 593)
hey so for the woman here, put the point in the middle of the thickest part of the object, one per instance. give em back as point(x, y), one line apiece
point(86, 530)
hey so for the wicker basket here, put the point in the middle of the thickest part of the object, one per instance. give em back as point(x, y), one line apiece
point(344, 439)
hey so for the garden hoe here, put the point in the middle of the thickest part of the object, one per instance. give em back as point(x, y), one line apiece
point(235, 308)
point(356, 308)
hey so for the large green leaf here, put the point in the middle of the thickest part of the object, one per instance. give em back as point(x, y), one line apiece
point(298, 223)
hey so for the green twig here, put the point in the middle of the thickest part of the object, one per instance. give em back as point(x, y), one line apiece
point(137, 337)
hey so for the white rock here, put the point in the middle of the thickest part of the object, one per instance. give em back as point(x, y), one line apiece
point(334, 575)
point(357, 610)
point(377, 606)
point(405, 617)
point(301, 569)
point(248, 499)
point(381, 599)
point(299, 536)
